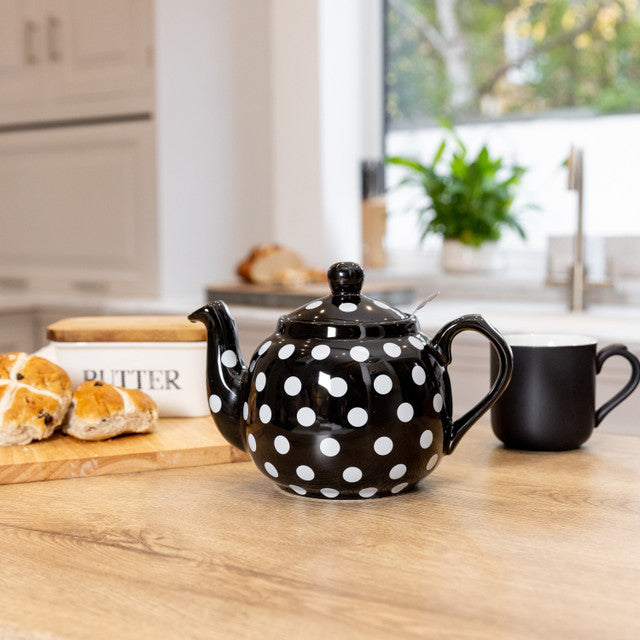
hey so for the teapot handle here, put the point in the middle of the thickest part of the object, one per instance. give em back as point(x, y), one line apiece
point(442, 344)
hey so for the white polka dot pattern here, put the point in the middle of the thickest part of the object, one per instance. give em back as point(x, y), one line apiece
point(263, 348)
point(433, 461)
point(306, 416)
point(352, 474)
point(366, 448)
point(215, 403)
point(270, 469)
point(330, 447)
point(292, 386)
point(359, 353)
point(418, 375)
point(286, 351)
point(337, 387)
point(281, 445)
point(305, 473)
point(397, 471)
point(383, 446)
point(299, 490)
point(320, 352)
point(426, 439)
point(405, 412)
point(392, 349)
point(357, 417)
point(229, 358)
point(382, 384)
point(265, 413)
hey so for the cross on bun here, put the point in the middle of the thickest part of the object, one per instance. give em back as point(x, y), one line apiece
point(100, 410)
point(34, 397)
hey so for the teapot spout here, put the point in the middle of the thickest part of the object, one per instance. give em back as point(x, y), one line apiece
point(227, 374)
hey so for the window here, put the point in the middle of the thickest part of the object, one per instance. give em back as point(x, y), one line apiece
point(531, 79)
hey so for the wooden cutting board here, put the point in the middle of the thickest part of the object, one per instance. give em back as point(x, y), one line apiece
point(175, 442)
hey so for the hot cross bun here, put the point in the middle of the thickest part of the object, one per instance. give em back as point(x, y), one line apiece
point(100, 411)
point(34, 397)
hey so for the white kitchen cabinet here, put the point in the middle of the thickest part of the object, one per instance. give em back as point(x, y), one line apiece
point(75, 59)
point(135, 144)
point(78, 204)
point(21, 75)
point(78, 199)
point(17, 331)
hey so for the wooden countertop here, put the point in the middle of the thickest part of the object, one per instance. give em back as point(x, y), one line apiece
point(495, 544)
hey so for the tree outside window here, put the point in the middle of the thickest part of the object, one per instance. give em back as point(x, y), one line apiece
point(530, 78)
point(472, 58)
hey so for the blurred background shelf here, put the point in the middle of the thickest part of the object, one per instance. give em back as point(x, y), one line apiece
point(394, 293)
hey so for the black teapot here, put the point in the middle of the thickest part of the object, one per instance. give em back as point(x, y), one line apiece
point(346, 399)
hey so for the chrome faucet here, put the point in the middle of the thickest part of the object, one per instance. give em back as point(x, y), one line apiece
point(578, 282)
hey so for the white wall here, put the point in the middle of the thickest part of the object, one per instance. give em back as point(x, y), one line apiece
point(214, 138)
point(319, 132)
point(341, 108)
point(260, 131)
point(296, 171)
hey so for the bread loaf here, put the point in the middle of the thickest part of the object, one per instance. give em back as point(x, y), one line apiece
point(34, 397)
point(100, 411)
point(272, 264)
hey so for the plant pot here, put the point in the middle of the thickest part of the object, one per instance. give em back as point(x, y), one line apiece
point(457, 257)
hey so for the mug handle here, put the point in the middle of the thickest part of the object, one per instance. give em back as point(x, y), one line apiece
point(601, 356)
point(442, 343)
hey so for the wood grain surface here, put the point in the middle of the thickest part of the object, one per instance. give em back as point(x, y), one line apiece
point(175, 442)
point(496, 544)
point(126, 329)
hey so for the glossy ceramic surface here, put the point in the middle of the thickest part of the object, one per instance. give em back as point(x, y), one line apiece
point(550, 404)
point(346, 399)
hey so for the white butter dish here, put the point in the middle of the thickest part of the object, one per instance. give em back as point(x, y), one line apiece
point(164, 356)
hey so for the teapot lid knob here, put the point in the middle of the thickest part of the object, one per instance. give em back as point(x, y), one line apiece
point(345, 278)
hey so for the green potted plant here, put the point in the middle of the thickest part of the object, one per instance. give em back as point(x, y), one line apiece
point(468, 201)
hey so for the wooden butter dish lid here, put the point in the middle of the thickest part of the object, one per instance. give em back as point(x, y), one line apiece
point(126, 329)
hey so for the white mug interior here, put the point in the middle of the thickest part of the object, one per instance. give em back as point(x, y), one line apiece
point(548, 340)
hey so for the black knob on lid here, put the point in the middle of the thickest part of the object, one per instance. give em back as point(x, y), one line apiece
point(345, 278)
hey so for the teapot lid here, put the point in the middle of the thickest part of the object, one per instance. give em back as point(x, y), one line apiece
point(345, 312)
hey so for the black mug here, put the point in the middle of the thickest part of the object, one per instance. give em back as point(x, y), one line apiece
point(549, 404)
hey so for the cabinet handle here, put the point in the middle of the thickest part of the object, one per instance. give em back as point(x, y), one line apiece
point(53, 27)
point(15, 284)
point(91, 286)
point(30, 28)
